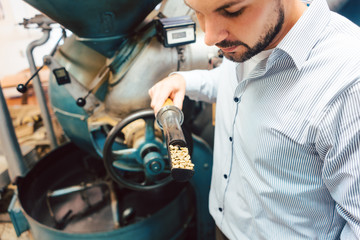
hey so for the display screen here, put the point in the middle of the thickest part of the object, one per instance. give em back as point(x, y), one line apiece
point(60, 72)
point(178, 35)
point(61, 75)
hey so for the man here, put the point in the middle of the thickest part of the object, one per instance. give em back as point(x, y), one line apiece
point(287, 134)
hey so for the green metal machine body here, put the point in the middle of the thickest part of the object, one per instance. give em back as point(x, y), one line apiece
point(112, 181)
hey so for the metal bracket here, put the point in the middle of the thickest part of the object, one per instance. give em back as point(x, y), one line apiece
point(17, 217)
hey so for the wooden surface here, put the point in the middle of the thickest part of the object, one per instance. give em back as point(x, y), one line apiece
point(7, 232)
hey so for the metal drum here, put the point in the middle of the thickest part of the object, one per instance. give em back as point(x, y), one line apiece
point(68, 195)
point(99, 24)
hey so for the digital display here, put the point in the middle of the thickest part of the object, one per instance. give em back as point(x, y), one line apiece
point(176, 31)
point(60, 73)
point(178, 35)
point(62, 76)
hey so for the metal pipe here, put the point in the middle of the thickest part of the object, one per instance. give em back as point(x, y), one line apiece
point(9, 143)
point(39, 92)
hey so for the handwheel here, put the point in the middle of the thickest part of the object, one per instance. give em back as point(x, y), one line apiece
point(144, 165)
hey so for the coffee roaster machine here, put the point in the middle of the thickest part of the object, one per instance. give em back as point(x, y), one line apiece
point(112, 180)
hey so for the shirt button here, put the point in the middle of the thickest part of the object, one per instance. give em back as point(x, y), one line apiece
point(225, 176)
point(220, 209)
point(236, 99)
point(230, 138)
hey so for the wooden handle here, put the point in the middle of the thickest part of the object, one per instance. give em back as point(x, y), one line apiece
point(168, 102)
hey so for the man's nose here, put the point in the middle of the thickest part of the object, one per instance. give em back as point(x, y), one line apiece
point(215, 31)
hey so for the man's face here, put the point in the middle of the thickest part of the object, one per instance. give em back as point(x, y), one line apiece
point(240, 28)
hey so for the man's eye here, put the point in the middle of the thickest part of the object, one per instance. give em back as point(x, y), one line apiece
point(233, 14)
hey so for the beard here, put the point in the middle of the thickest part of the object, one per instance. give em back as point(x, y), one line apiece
point(263, 42)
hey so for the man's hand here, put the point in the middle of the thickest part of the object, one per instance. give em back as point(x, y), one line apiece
point(171, 87)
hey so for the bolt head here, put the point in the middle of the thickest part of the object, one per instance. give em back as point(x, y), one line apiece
point(155, 166)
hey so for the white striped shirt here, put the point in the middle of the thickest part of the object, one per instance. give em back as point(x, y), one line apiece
point(287, 139)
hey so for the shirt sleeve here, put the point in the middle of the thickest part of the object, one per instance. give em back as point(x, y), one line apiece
point(339, 146)
point(202, 85)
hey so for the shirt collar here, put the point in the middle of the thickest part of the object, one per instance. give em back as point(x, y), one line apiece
point(303, 36)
